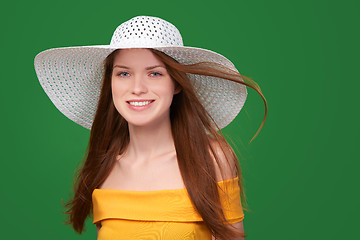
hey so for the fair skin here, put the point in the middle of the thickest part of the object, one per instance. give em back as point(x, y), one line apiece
point(142, 92)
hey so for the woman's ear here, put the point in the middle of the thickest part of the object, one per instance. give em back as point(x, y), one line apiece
point(177, 88)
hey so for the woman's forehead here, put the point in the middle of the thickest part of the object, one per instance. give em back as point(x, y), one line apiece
point(138, 57)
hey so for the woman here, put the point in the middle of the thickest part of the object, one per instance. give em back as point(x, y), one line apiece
point(156, 167)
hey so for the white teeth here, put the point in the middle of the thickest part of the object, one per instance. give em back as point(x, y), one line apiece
point(140, 103)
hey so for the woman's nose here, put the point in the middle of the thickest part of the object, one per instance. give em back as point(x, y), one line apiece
point(139, 86)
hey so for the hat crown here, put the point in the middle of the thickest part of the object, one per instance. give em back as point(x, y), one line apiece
point(146, 32)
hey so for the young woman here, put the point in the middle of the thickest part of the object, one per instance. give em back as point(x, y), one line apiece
point(157, 166)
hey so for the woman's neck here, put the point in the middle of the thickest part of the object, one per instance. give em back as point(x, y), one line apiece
point(148, 142)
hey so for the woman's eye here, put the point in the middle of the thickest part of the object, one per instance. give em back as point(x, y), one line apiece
point(155, 74)
point(123, 74)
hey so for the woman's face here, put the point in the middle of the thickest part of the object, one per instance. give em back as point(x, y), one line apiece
point(142, 89)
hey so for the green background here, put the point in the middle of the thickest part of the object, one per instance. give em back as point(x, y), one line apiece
point(301, 172)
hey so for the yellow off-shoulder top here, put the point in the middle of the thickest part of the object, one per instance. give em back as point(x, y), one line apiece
point(161, 214)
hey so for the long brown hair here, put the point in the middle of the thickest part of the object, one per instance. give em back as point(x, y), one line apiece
point(190, 122)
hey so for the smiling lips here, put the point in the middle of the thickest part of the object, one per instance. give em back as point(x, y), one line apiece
point(139, 105)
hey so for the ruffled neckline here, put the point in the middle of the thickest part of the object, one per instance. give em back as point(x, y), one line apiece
point(160, 205)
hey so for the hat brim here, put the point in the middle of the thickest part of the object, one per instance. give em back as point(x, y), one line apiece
point(72, 78)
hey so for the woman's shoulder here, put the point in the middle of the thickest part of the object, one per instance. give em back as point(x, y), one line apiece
point(225, 160)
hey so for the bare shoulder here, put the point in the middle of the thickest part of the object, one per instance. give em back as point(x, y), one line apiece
point(225, 162)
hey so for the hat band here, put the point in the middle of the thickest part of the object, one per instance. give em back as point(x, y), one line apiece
point(144, 43)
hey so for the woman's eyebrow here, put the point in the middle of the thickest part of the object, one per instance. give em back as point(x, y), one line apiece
point(155, 66)
point(120, 66)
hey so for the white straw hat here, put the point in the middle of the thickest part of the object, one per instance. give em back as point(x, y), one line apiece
point(72, 76)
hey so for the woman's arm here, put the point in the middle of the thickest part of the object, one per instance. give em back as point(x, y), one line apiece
point(239, 228)
point(229, 171)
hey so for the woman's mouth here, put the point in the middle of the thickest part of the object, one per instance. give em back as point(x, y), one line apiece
point(139, 105)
